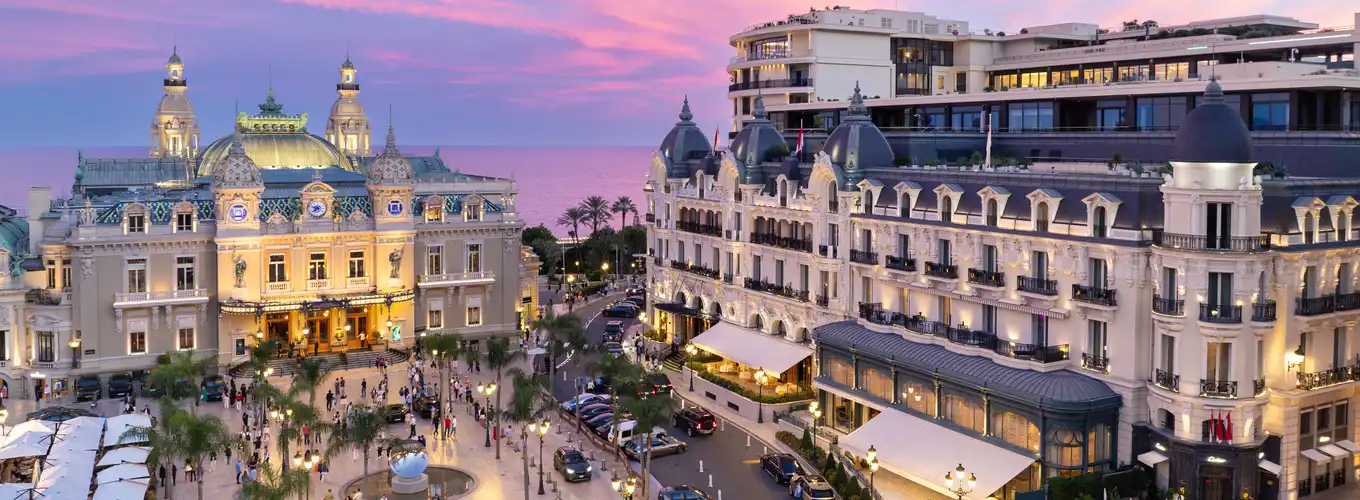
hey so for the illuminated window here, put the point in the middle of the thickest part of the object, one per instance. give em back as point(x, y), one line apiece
point(434, 213)
point(474, 315)
point(436, 319)
point(356, 263)
point(474, 258)
point(434, 263)
point(278, 268)
point(316, 266)
point(136, 275)
point(473, 210)
point(186, 338)
point(184, 273)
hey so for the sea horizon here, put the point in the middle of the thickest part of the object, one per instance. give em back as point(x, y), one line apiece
point(549, 179)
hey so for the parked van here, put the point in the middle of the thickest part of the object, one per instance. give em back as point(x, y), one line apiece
point(625, 431)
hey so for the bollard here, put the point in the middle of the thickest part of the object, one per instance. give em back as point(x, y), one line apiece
point(748, 440)
point(766, 452)
point(722, 424)
point(719, 494)
point(602, 465)
point(701, 466)
point(710, 480)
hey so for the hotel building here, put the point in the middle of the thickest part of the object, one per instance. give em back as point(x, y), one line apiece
point(1196, 320)
point(269, 232)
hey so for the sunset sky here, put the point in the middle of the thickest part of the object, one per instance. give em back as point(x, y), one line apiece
point(467, 72)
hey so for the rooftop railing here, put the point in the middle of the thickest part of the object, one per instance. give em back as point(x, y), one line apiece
point(1038, 286)
point(1201, 243)
point(874, 313)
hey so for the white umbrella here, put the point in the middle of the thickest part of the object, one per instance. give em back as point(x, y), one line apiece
point(116, 426)
point(129, 455)
point(121, 472)
point(22, 449)
point(121, 490)
point(14, 491)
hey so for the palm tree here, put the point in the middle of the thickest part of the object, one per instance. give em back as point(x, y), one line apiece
point(260, 354)
point(572, 218)
point(185, 435)
point(597, 212)
point(624, 206)
point(565, 333)
point(526, 406)
point(499, 356)
point(649, 413)
point(363, 427)
point(311, 372)
point(274, 484)
point(447, 348)
point(624, 377)
point(161, 439)
point(179, 366)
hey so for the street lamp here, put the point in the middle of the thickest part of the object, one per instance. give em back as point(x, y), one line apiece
point(624, 488)
point(816, 411)
point(4, 419)
point(542, 431)
point(960, 482)
point(297, 460)
point(873, 469)
point(487, 390)
point(75, 352)
point(760, 378)
point(691, 350)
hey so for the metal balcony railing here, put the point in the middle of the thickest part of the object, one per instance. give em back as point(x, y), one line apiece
point(1032, 352)
point(826, 251)
point(863, 257)
point(1036, 285)
point(1263, 311)
point(1214, 313)
point(907, 264)
point(1217, 388)
point(1348, 301)
point(987, 278)
point(1095, 363)
point(1166, 380)
point(1201, 243)
point(781, 242)
point(946, 271)
point(1168, 307)
point(874, 313)
point(823, 301)
point(770, 84)
point(1315, 306)
point(1329, 377)
point(695, 269)
point(787, 291)
point(1094, 295)
point(697, 228)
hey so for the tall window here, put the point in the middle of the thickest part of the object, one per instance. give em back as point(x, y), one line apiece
point(803, 277)
point(1016, 430)
point(1220, 290)
point(434, 262)
point(136, 223)
point(184, 273)
point(1041, 217)
point(474, 258)
point(989, 258)
point(51, 273)
point(1168, 361)
point(965, 413)
point(65, 273)
point(1100, 273)
point(137, 342)
point(1039, 329)
point(184, 221)
point(474, 315)
point(947, 209)
point(356, 264)
point(278, 268)
point(943, 246)
point(136, 275)
point(839, 369)
point(473, 211)
point(919, 397)
point(877, 383)
point(903, 246)
point(436, 319)
point(1218, 225)
point(186, 338)
point(1095, 338)
point(988, 318)
point(1339, 347)
point(1218, 361)
point(46, 351)
point(1038, 264)
point(991, 212)
point(316, 266)
point(1099, 228)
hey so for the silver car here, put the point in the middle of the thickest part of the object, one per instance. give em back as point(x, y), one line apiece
point(661, 445)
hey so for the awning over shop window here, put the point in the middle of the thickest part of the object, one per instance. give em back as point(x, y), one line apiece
point(1317, 456)
point(751, 348)
point(1334, 451)
point(1348, 445)
point(899, 438)
point(679, 309)
point(1270, 467)
point(1152, 458)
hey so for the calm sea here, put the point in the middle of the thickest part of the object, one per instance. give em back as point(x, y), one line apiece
point(549, 179)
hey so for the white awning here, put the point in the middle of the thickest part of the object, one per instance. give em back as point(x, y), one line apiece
point(122, 490)
point(899, 438)
point(121, 472)
point(1152, 458)
point(1348, 445)
point(1269, 466)
point(751, 348)
point(1317, 456)
point(22, 449)
point(118, 425)
point(1334, 451)
point(129, 455)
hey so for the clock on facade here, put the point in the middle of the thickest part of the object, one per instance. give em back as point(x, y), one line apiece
point(316, 208)
point(237, 212)
point(394, 207)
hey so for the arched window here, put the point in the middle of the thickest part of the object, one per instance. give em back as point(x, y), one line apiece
point(832, 204)
point(991, 212)
point(1041, 217)
point(1309, 227)
point(1016, 430)
point(758, 323)
point(1064, 451)
point(965, 412)
point(947, 209)
point(1098, 224)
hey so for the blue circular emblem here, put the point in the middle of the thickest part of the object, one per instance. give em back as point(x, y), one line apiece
point(394, 207)
point(316, 208)
point(237, 212)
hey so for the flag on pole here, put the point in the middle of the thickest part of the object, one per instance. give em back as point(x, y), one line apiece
point(716, 130)
point(799, 149)
point(1229, 428)
point(988, 161)
point(1213, 426)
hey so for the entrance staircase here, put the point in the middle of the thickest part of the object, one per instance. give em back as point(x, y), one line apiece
point(288, 367)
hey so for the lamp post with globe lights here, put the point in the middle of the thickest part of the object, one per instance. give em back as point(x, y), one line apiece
point(4, 419)
point(960, 482)
point(815, 410)
point(542, 430)
point(760, 378)
point(486, 390)
point(625, 489)
point(691, 350)
point(75, 352)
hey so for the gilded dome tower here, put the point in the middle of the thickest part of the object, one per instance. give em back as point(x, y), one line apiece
point(174, 129)
point(348, 128)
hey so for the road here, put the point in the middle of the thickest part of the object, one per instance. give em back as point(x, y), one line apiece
point(732, 467)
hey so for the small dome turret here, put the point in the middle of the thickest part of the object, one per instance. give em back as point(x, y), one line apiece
point(684, 142)
point(758, 142)
point(857, 144)
point(237, 170)
point(1212, 133)
point(390, 167)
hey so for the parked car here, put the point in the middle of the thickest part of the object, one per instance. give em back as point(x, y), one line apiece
point(625, 430)
point(638, 301)
point(425, 405)
point(613, 348)
point(613, 331)
point(88, 387)
point(662, 445)
point(695, 420)
point(147, 390)
point(623, 303)
point(617, 311)
point(120, 384)
point(682, 492)
point(637, 291)
point(658, 383)
point(589, 411)
point(812, 487)
point(781, 466)
point(215, 386)
point(583, 400)
point(572, 464)
point(394, 413)
point(599, 421)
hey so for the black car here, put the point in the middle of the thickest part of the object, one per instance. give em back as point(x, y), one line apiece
point(600, 385)
point(88, 387)
point(215, 387)
point(120, 384)
point(619, 312)
point(147, 389)
point(637, 301)
point(781, 466)
point(695, 420)
point(572, 464)
point(682, 492)
point(394, 413)
point(658, 383)
point(425, 405)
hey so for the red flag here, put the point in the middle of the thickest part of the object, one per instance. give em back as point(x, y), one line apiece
point(1229, 427)
point(716, 129)
point(799, 149)
point(1213, 426)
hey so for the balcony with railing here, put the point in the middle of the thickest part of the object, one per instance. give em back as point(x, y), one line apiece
point(864, 257)
point(461, 279)
point(1038, 286)
point(826, 251)
point(1348, 301)
point(1168, 307)
point(906, 264)
point(1315, 305)
point(987, 278)
point(777, 241)
point(160, 298)
point(1091, 294)
point(1223, 314)
point(1225, 389)
point(823, 301)
point(697, 228)
point(942, 271)
point(1330, 377)
point(770, 84)
point(1263, 311)
point(728, 278)
point(1095, 362)
point(695, 269)
point(1166, 380)
point(786, 291)
point(960, 335)
point(1202, 243)
point(47, 297)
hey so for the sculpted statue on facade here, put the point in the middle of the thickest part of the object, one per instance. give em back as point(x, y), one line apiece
point(240, 271)
point(395, 259)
